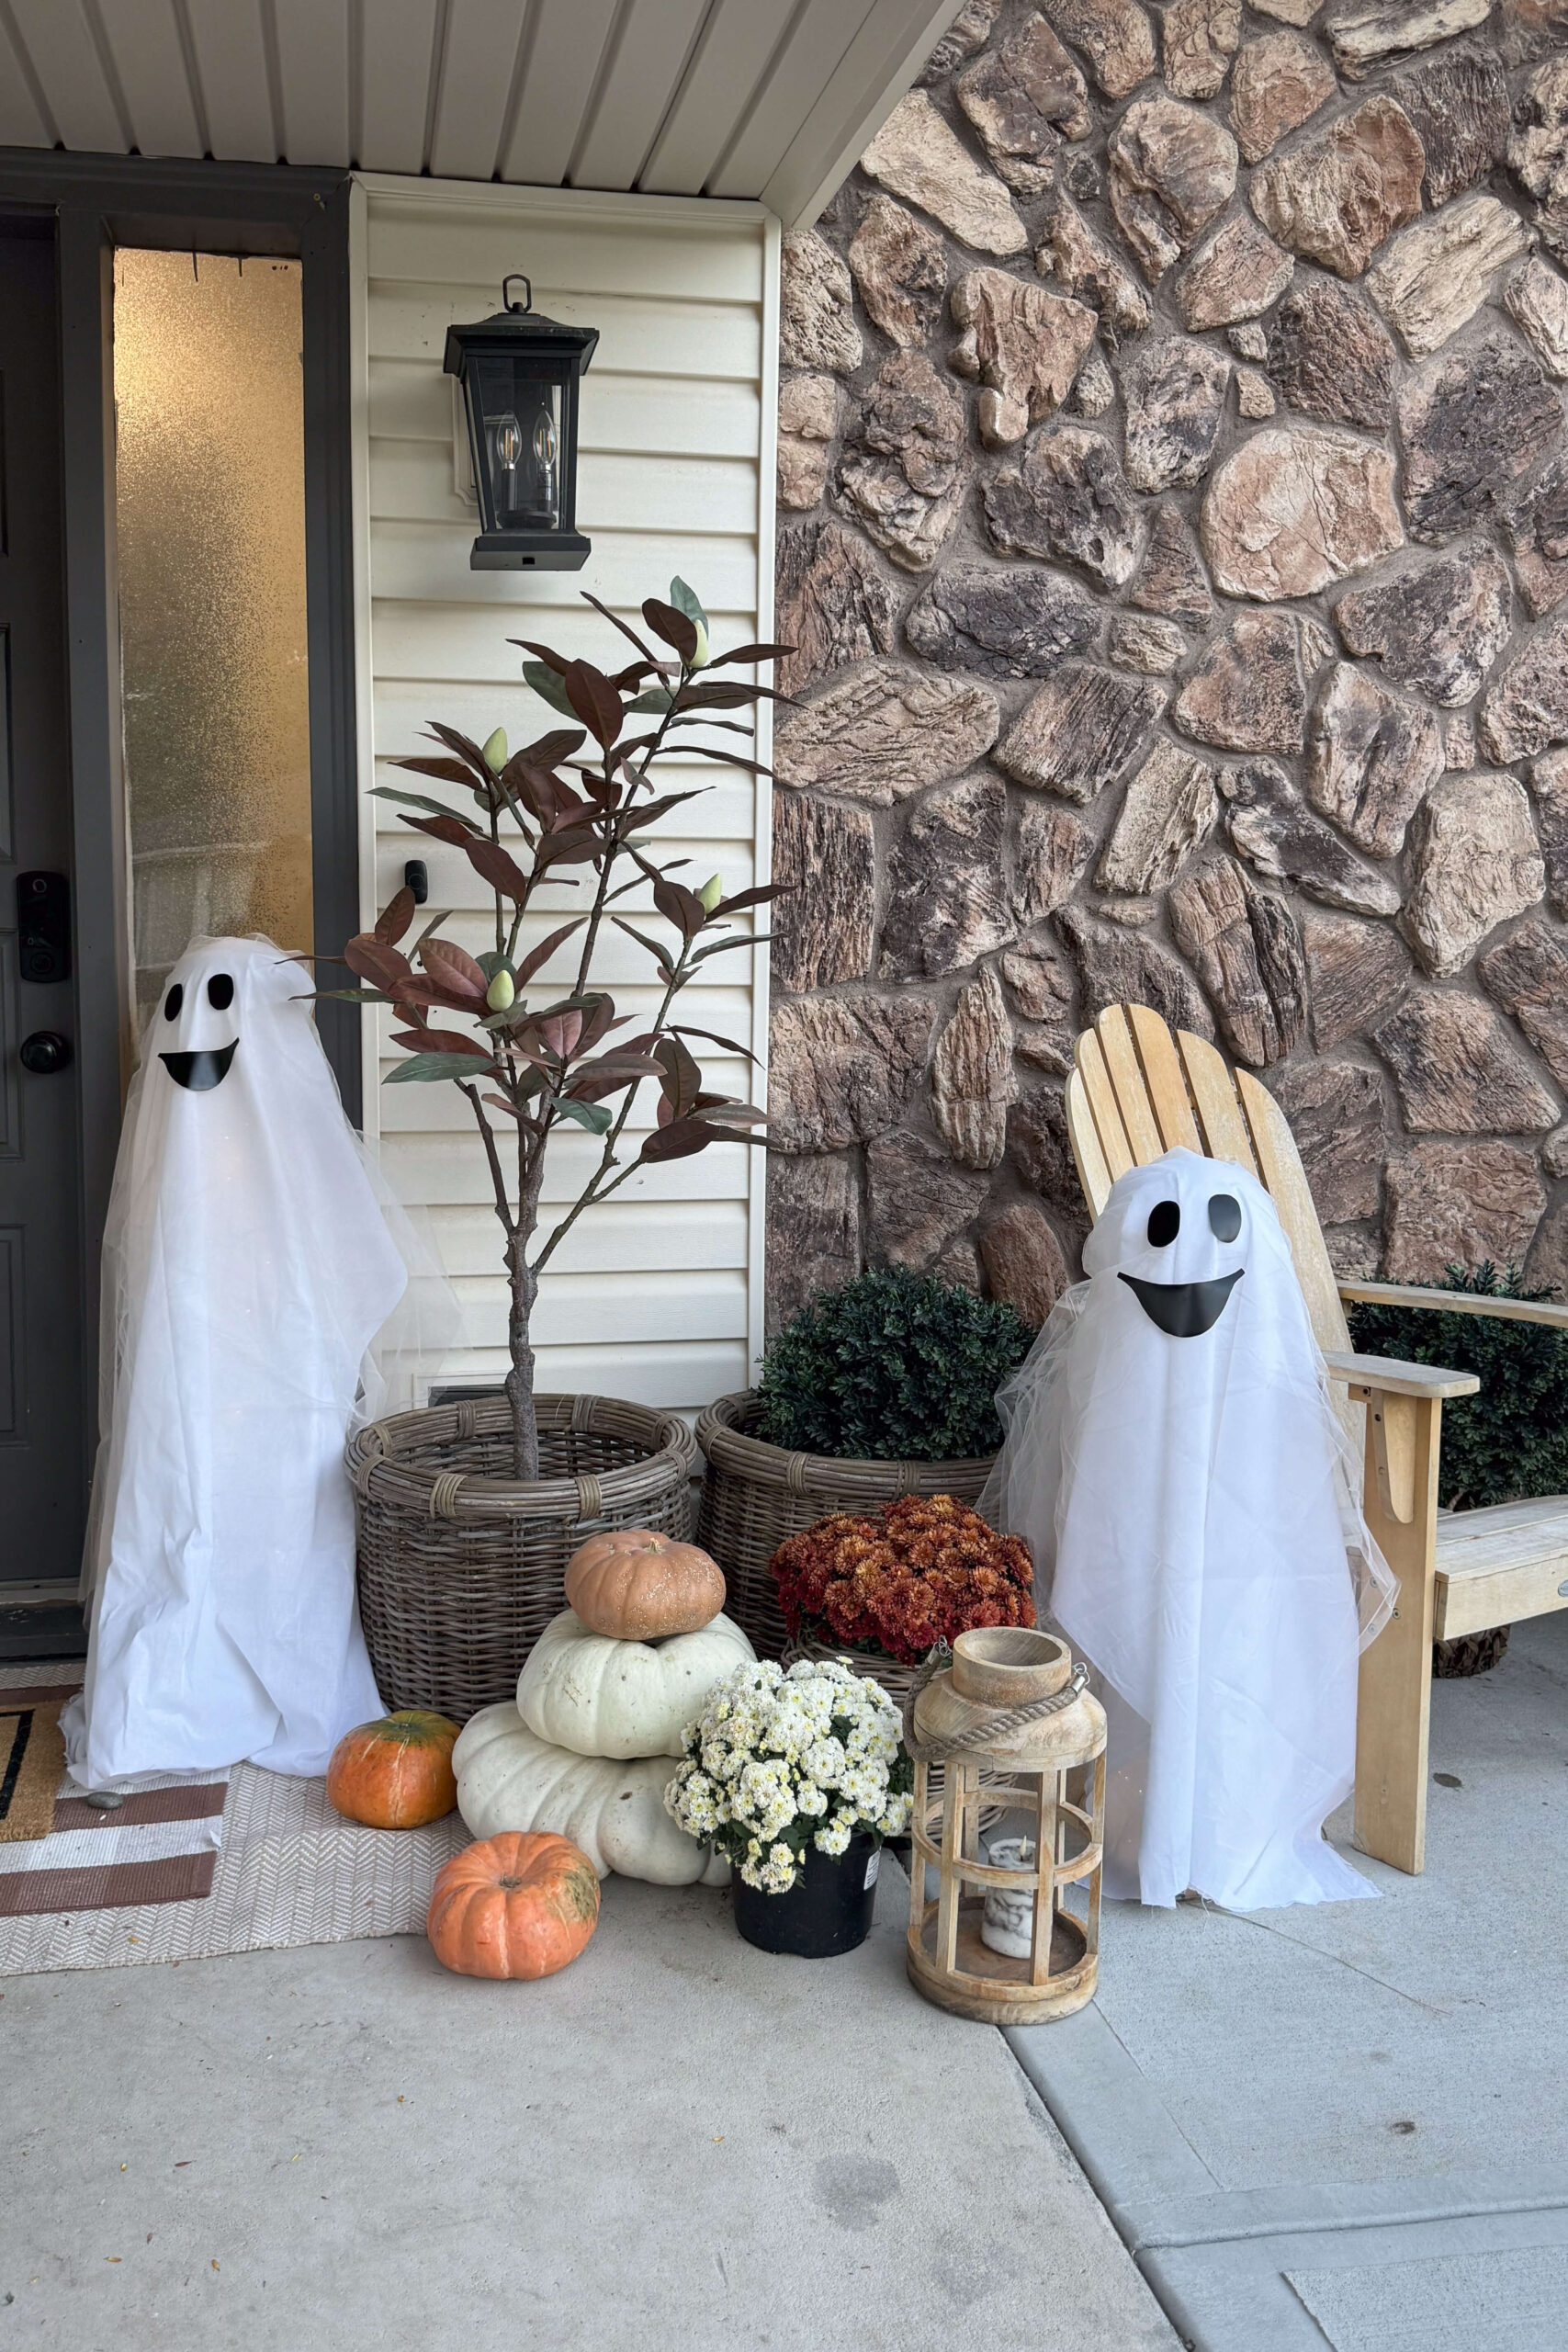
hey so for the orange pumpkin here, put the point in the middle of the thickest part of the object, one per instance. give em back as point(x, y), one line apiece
point(395, 1774)
point(521, 1904)
point(639, 1587)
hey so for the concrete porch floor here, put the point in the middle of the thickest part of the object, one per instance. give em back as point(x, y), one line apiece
point(678, 2142)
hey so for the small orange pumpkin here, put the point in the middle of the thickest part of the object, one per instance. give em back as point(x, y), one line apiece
point(524, 1903)
point(639, 1587)
point(395, 1774)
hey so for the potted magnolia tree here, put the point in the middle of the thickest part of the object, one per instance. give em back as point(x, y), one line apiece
point(467, 1513)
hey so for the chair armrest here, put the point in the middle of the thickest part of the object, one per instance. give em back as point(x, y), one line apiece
point(1395, 1379)
point(1456, 1302)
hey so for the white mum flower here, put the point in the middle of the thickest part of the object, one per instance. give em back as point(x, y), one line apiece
point(834, 1838)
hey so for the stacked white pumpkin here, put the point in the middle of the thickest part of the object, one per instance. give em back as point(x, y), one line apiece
point(590, 1745)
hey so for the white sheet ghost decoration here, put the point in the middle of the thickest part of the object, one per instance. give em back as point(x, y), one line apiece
point(247, 1267)
point(1174, 1462)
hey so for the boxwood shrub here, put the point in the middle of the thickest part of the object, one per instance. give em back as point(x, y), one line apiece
point(892, 1366)
point(1510, 1441)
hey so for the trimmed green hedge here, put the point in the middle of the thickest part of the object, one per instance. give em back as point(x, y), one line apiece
point(1510, 1441)
point(891, 1367)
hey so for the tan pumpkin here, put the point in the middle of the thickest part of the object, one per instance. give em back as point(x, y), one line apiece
point(524, 1903)
point(395, 1774)
point(636, 1586)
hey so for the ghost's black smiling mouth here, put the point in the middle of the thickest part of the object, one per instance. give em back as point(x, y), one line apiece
point(1184, 1310)
point(200, 1071)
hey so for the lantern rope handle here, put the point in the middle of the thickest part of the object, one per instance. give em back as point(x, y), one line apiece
point(995, 1726)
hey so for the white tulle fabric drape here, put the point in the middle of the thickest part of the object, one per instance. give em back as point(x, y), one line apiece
point(1192, 1507)
point(252, 1257)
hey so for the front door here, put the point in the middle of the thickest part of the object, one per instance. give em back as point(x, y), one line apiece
point(42, 1439)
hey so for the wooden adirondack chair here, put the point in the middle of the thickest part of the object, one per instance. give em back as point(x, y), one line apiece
point(1134, 1092)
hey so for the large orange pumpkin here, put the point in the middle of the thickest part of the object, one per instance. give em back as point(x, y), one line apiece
point(639, 1587)
point(522, 1904)
point(395, 1774)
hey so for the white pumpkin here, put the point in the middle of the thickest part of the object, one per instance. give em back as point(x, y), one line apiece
point(507, 1779)
point(601, 1697)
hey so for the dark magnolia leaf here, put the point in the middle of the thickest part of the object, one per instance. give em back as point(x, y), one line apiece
point(445, 828)
point(648, 812)
point(714, 1038)
point(547, 653)
point(600, 1011)
point(609, 1075)
point(440, 1041)
point(444, 771)
point(680, 905)
point(546, 750)
point(374, 959)
point(419, 996)
point(396, 917)
point(717, 751)
point(574, 846)
point(627, 681)
point(419, 800)
point(725, 694)
point(750, 653)
point(547, 686)
point(595, 701)
point(592, 1116)
point(538, 957)
point(660, 955)
point(679, 1140)
point(755, 898)
point(502, 872)
point(685, 600)
point(467, 751)
point(349, 996)
point(424, 1069)
point(499, 1102)
point(682, 1080)
point(723, 947)
point(675, 627)
point(454, 968)
point(655, 699)
point(615, 622)
point(725, 1110)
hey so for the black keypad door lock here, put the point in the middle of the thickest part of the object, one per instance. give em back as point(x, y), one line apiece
point(43, 927)
point(45, 1052)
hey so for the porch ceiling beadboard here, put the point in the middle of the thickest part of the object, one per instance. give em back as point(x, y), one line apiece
point(766, 99)
point(658, 1295)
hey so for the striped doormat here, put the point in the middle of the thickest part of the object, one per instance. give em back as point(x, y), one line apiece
point(270, 1862)
point(58, 1853)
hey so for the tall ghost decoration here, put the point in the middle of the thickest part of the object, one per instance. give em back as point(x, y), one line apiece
point(1174, 1462)
point(247, 1267)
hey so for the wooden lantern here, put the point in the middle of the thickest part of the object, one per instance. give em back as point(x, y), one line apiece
point(1013, 1729)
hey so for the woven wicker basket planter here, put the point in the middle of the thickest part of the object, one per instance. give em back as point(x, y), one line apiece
point(755, 1494)
point(460, 1565)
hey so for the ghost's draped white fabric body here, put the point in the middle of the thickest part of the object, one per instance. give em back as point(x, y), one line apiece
point(1174, 1459)
point(247, 1268)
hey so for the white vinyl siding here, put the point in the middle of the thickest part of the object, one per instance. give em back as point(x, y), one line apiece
point(656, 1295)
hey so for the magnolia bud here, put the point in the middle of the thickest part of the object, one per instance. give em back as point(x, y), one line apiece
point(711, 893)
point(502, 991)
point(700, 657)
point(494, 751)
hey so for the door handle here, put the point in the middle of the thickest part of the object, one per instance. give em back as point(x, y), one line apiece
point(46, 1051)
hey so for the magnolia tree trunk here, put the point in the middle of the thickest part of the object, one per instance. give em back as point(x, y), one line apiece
point(525, 1286)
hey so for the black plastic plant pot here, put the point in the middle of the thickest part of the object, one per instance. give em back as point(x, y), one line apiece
point(827, 1911)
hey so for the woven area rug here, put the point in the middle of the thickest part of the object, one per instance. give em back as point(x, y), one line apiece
point(289, 1870)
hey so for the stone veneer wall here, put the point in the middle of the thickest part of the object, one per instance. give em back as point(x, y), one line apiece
point(1174, 534)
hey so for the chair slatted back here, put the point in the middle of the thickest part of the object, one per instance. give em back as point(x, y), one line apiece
point(1136, 1092)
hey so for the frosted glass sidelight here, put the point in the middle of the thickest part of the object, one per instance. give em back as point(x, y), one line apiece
point(210, 511)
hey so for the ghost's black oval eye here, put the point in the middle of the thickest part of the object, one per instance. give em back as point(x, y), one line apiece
point(221, 992)
point(1165, 1224)
point(173, 1003)
point(1225, 1216)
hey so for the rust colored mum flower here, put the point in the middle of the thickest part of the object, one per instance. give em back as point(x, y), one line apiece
point(924, 1570)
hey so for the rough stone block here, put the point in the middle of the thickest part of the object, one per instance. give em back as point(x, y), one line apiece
point(1336, 1111)
point(1246, 951)
point(1297, 507)
point(1010, 624)
point(972, 1075)
point(1459, 1204)
point(1457, 1071)
point(1372, 758)
point(946, 891)
point(918, 156)
point(883, 733)
point(1357, 971)
point(844, 1069)
point(1170, 809)
point(1476, 863)
point(1081, 732)
point(825, 857)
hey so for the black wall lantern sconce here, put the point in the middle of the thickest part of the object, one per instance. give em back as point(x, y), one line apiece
point(520, 374)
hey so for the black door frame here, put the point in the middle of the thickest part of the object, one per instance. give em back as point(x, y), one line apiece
point(99, 202)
